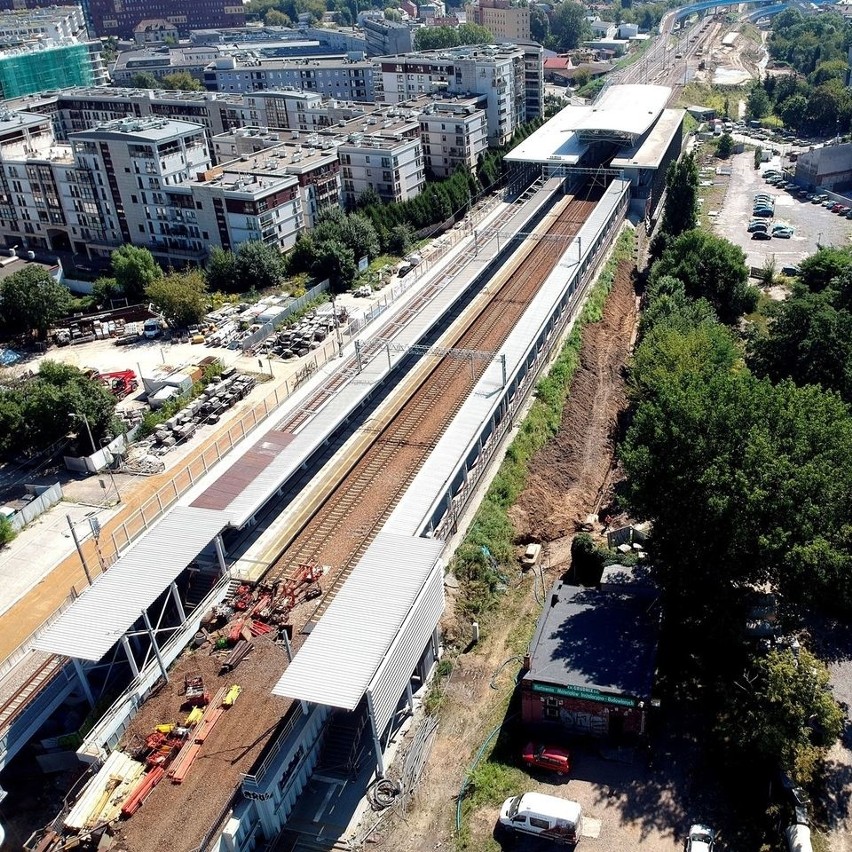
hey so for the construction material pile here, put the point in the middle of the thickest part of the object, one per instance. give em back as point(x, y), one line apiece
point(255, 609)
point(306, 335)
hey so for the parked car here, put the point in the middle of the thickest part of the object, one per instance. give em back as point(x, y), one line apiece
point(782, 233)
point(765, 212)
point(761, 235)
point(810, 197)
point(700, 839)
point(559, 820)
point(835, 208)
point(842, 211)
point(849, 215)
point(552, 758)
point(757, 225)
point(815, 199)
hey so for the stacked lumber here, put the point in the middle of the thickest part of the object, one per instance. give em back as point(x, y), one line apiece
point(142, 790)
point(101, 799)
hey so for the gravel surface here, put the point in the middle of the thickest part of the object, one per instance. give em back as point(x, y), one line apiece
point(176, 817)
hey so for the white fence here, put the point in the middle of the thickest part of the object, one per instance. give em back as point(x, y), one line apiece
point(46, 496)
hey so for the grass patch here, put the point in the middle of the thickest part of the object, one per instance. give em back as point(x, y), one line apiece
point(488, 548)
point(591, 90)
point(635, 55)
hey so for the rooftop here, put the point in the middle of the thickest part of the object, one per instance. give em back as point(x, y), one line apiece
point(648, 152)
point(622, 113)
point(597, 640)
point(149, 128)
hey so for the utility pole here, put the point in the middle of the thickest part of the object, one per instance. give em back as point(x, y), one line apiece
point(79, 549)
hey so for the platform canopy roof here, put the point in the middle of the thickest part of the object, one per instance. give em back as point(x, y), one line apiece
point(113, 603)
point(340, 658)
point(622, 114)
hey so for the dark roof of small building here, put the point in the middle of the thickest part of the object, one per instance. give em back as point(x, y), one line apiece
point(597, 640)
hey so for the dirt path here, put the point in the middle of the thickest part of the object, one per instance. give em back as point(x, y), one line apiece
point(569, 476)
point(566, 478)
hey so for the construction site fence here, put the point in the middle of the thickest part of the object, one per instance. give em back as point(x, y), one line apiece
point(267, 329)
point(45, 498)
point(459, 487)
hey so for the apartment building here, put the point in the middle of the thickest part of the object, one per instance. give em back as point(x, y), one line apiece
point(385, 37)
point(501, 18)
point(312, 159)
point(29, 26)
point(497, 72)
point(453, 133)
point(386, 155)
point(46, 49)
point(343, 79)
point(292, 109)
point(145, 165)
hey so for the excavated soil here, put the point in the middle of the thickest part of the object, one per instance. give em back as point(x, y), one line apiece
point(567, 480)
point(570, 476)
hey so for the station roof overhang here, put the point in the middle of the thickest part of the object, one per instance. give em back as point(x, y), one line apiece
point(106, 610)
point(341, 657)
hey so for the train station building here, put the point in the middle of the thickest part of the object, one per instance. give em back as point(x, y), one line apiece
point(627, 132)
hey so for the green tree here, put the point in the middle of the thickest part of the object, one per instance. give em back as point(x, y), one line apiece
point(7, 531)
point(569, 25)
point(181, 297)
point(681, 196)
point(783, 712)
point(809, 341)
point(400, 239)
point(474, 34)
point(221, 271)
point(435, 38)
point(818, 270)
point(334, 260)
point(258, 266)
point(758, 104)
point(144, 80)
point(50, 406)
point(274, 18)
point(32, 300)
point(793, 111)
point(725, 146)
point(104, 290)
point(758, 156)
point(182, 81)
point(134, 269)
point(539, 25)
point(358, 233)
point(710, 267)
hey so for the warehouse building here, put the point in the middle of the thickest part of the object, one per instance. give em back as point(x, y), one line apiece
point(591, 664)
point(828, 167)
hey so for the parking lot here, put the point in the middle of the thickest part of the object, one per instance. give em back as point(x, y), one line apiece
point(812, 224)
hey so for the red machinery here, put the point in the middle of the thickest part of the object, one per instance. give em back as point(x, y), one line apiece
point(120, 383)
point(194, 692)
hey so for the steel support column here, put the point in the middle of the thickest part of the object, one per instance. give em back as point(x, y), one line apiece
point(130, 658)
point(220, 553)
point(377, 741)
point(84, 681)
point(409, 696)
point(154, 645)
point(178, 602)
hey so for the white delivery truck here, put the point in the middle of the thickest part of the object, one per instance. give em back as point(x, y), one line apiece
point(559, 820)
point(152, 328)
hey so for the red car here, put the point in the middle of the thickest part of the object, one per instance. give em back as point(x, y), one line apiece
point(552, 758)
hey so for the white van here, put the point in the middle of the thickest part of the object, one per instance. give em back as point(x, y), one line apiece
point(151, 328)
point(559, 820)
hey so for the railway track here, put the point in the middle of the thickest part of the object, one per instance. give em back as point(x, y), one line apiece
point(350, 517)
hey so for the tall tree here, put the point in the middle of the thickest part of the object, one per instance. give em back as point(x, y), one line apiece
point(134, 269)
point(221, 271)
point(569, 25)
point(680, 212)
point(258, 265)
point(181, 81)
point(31, 300)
